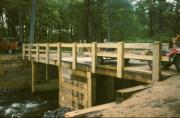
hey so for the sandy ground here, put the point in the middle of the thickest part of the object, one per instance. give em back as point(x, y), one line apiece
point(162, 100)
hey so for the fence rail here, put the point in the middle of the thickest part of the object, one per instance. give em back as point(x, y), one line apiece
point(119, 51)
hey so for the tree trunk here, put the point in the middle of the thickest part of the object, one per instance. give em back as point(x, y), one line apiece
point(32, 22)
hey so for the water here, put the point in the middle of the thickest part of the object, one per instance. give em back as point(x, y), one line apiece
point(23, 104)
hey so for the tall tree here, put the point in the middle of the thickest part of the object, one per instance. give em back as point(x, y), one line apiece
point(32, 22)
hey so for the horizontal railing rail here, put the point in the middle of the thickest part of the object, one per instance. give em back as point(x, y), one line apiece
point(119, 51)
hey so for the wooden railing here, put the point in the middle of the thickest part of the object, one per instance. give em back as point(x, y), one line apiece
point(95, 50)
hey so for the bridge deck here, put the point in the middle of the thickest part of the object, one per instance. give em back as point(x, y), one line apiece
point(136, 70)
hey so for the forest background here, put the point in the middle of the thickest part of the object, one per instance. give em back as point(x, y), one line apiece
point(90, 20)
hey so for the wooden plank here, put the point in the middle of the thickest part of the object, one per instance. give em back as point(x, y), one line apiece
point(156, 71)
point(94, 57)
point(75, 88)
point(33, 76)
point(120, 60)
point(66, 45)
point(107, 54)
point(53, 45)
point(86, 45)
point(106, 45)
point(42, 45)
point(133, 89)
point(89, 90)
point(138, 45)
point(122, 94)
point(74, 56)
point(37, 52)
point(47, 53)
point(23, 51)
point(143, 57)
point(59, 54)
point(29, 52)
point(83, 112)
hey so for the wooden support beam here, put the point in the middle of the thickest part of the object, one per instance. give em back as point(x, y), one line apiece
point(29, 52)
point(33, 64)
point(122, 94)
point(174, 42)
point(89, 88)
point(37, 52)
point(47, 53)
point(120, 59)
point(60, 85)
point(94, 57)
point(84, 112)
point(74, 56)
point(59, 54)
point(156, 71)
point(47, 74)
point(23, 51)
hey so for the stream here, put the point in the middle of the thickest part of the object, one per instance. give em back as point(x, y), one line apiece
point(23, 104)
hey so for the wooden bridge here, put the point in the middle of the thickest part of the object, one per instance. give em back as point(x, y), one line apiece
point(78, 63)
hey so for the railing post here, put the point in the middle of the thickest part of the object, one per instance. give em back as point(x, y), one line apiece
point(59, 54)
point(120, 59)
point(74, 56)
point(94, 57)
point(23, 51)
point(33, 64)
point(174, 42)
point(47, 53)
point(29, 51)
point(37, 52)
point(156, 69)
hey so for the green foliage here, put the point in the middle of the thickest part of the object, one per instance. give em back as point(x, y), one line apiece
point(92, 20)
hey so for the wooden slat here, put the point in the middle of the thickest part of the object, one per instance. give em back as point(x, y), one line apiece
point(120, 60)
point(74, 56)
point(87, 45)
point(143, 57)
point(106, 45)
point(53, 45)
point(75, 88)
point(23, 51)
point(66, 45)
point(94, 57)
point(132, 89)
point(156, 71)
point(106, 54)
point(42, 45)
point(83, 112)
point(138, 45)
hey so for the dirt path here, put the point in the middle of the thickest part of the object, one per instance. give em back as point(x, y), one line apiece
point(162, 100)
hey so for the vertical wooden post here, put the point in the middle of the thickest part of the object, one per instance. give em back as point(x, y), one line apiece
point(89, 89)
point(60, 85)
point(47, 53)
point(33, 64)
point(37, 52)
point(23, 51)
point(47, 74)
point(59, 54)
point(74, 56)
point(120, 59)
point(156, 71)
point(94, 57)
point(174, 42)
point(29, 52)
point(61, 81)
point(47, 60)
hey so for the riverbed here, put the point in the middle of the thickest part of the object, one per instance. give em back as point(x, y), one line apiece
point(23, 104)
